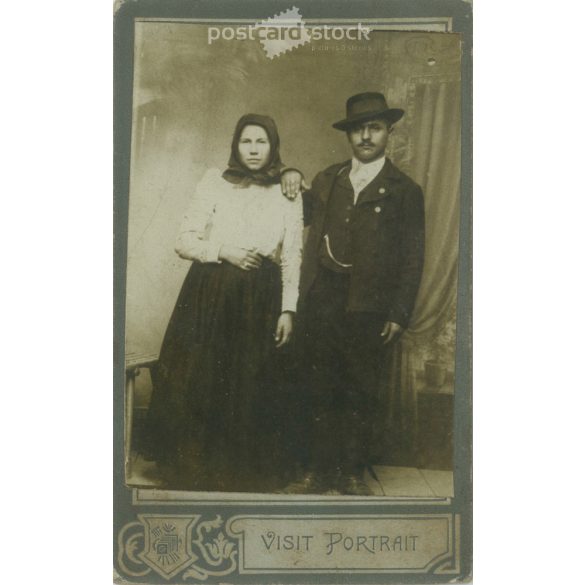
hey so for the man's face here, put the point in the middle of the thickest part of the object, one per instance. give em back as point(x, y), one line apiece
point(369, 139)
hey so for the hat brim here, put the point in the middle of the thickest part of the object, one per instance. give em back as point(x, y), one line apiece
point(392, 115)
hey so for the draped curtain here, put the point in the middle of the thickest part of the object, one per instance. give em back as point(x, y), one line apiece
point(432, 158)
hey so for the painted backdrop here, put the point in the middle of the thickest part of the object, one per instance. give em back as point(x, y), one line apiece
point(188, 96)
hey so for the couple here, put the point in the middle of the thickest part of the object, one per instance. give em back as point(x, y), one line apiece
point(221, 415)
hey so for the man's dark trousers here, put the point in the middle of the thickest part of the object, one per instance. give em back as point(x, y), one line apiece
point(343, 355)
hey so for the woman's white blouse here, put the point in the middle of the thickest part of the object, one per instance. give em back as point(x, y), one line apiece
point(255, 217)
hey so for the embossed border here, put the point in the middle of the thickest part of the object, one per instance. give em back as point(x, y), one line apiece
point(452, 15)
point(218, 549)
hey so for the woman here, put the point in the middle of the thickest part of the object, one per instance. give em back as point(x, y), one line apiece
point(217, 398)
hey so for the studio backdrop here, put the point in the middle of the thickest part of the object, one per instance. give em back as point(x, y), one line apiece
point(184, 114)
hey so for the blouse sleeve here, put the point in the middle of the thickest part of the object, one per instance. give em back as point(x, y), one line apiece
point(193, 241)
point(291, 254)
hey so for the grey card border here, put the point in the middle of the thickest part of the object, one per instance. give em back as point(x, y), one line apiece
point(128, 503)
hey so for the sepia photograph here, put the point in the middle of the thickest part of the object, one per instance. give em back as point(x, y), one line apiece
point(290, 393)
point(292, 296)
point(292, 263)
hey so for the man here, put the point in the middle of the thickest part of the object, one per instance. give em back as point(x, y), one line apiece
point(360, 275)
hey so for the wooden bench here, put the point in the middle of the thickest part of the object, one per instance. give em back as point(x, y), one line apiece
point(135, 361)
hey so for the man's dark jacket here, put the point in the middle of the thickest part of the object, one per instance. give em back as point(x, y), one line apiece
point(387, 241)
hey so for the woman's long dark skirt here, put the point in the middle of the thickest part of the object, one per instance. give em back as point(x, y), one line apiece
point(219, 404)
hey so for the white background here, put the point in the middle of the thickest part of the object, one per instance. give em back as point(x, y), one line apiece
point(57, 292)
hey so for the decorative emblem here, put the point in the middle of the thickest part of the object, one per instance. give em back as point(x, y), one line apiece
point(167, 543)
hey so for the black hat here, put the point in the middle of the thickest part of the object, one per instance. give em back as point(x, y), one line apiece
point(367, 106)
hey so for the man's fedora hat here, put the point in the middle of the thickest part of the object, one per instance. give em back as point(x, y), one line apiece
point(367, 106)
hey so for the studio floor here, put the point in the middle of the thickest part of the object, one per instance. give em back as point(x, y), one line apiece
point(392, 481)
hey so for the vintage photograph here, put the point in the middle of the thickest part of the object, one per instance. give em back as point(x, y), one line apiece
point(292, 259)
point(294, 246)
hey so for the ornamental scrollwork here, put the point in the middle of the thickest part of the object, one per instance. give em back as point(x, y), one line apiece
point(166, 544)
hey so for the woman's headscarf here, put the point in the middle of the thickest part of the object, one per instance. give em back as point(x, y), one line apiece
point(240, 174)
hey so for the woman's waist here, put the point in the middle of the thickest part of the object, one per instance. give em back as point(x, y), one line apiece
point(267, 273)
point(267, 264)
point(225, 274)
point(266, 249)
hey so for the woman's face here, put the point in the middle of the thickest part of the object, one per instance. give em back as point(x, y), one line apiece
point(254, 147)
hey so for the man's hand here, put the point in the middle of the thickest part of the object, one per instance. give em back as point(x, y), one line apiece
point(284, 329)
point(291, 183)
point(391, 332)
point(240, 257)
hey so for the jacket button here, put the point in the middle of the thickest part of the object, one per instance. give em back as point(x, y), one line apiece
point(381, 190)
point(378, 209)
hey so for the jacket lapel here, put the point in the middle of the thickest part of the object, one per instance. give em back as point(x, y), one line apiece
point(329, 177)
point(381, 186)
point(324, 190)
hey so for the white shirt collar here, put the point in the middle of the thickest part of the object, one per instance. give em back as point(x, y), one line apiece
point(363, 173)
point(374, 166)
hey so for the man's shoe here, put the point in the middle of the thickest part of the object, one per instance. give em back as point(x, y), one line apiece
point(311, 483)
point(352, 485)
